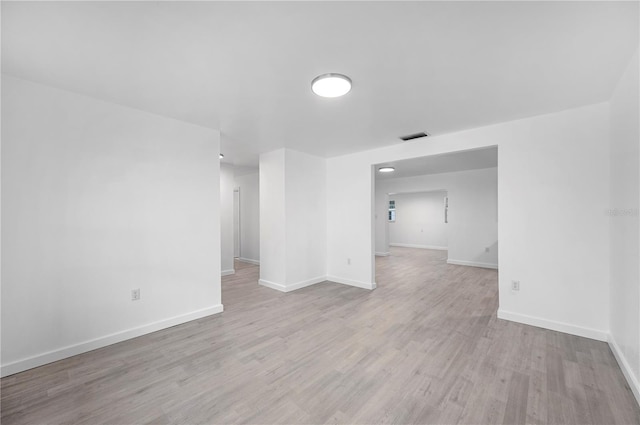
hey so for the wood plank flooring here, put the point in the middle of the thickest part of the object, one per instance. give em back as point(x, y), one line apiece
point(424, 348)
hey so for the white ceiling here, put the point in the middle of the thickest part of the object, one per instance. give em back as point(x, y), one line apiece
point(445, 163)
point(246, 68)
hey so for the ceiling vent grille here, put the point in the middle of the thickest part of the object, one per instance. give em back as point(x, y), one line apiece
point(414, 136)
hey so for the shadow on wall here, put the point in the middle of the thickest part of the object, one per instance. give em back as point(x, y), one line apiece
point(487, 259)
point(490, 256)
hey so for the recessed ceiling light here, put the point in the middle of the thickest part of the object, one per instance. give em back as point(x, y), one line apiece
point(386, 169)
point(221, 156)
point(331, 85)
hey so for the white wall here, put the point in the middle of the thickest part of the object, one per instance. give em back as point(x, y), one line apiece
point(419, 220)
point(625, 232)
point(381, 229)
point(292, 219)
point(99, 199)
point(272, 217)
point(249, 185)
point(236, 222)
point(227, 184)
point(306, 205)
point(473, 215)
point(553, 191)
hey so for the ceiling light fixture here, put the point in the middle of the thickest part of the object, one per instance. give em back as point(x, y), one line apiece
point(386, 169)
point(331, 85)
point(221, 156)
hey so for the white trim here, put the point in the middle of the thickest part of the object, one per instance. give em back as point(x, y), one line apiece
point(272, 285)
point(93, 344)
point(553, 325)
point(626, 369)
point(249, 260)
point(350, 282)
point(383, 254)
point(228, 272)
point(473, 264)
point(412, 192)
point(292, 287)
point(409, 245)
point(304, 283)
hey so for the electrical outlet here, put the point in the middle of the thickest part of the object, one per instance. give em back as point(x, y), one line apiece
point(135, 294)
point(515, 285)
point(349, 261)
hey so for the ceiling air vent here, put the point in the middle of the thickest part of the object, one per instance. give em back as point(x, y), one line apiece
point(414, 136)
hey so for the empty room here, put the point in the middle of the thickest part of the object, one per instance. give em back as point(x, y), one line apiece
point(320, 212)
point(446, 203)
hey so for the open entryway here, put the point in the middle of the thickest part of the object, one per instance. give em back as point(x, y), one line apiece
point(445, 204)
point(418, 220)
point(239, 217)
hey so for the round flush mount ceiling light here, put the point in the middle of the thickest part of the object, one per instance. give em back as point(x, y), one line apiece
point(386, 169)
point(331, 85)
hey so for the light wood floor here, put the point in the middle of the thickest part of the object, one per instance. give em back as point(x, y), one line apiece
point(425, 347)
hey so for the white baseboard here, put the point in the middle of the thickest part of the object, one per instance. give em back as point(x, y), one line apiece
point(93, 344)
point(305, 283)
point(473, 264)
point(293, 286)
point(626, 369)
point(249, 260)
point(350, 282)
point(553, 325)
point(383, 254)
point(227, 272)
point(408, 245)
point(277, 286)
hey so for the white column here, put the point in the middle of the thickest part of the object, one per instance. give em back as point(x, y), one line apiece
point(292, 219)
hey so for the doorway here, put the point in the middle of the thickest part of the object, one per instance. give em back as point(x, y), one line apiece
point(446, 203)
point(418, 220)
